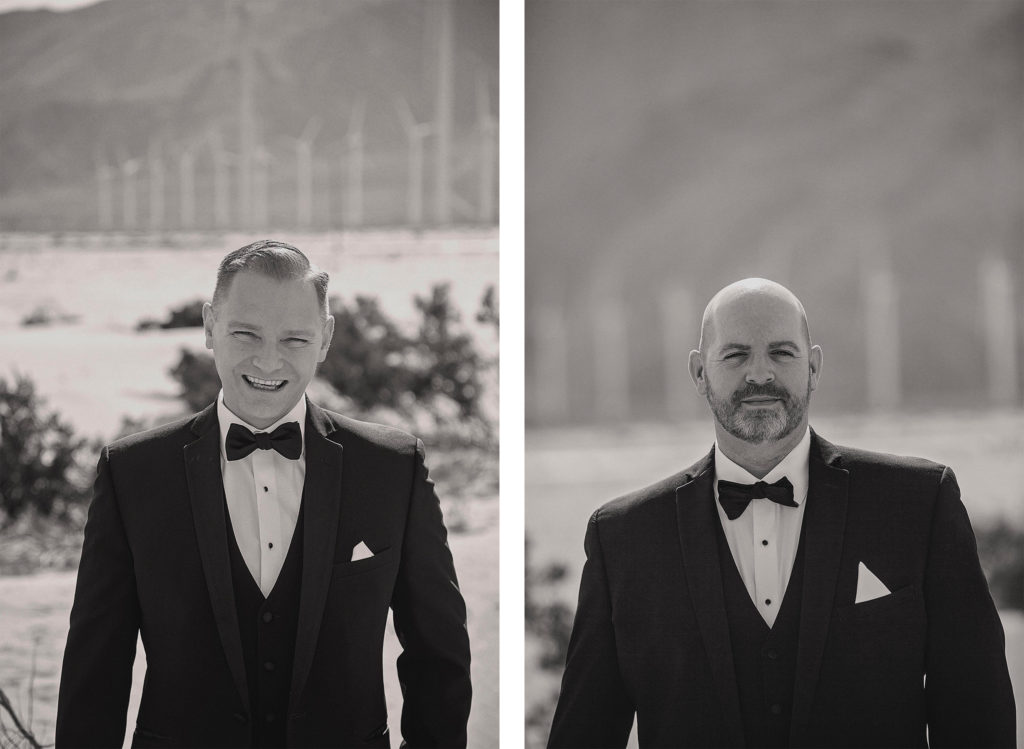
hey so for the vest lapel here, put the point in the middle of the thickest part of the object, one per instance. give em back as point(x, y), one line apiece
point(824, 529)
point(206, 490)
point(321, 499)
point(695, 514)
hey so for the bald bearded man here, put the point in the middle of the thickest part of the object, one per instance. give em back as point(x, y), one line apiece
point(783, 591)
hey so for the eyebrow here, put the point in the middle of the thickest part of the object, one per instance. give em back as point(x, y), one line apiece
point(250, 326)
point(771, 344)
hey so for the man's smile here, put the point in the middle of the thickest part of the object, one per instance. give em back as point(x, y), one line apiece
point(265, 385)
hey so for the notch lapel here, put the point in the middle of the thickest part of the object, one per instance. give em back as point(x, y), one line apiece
point(825, 522)
point(206, 493)
point(696, 516)
point(321, 500)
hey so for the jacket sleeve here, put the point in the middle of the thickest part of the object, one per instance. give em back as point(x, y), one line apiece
point(970, 700)
point(430, 621)
point(96, 676)
point(593, 708)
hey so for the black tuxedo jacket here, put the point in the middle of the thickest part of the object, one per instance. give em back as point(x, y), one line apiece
point(651, 636)
point(155, 560)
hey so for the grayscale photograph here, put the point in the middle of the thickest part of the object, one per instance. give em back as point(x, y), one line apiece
point(249, 314)
point(774, 390)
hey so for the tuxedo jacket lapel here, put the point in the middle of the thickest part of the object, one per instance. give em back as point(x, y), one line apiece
point(206, 493)
point(824, 529)
point(696, 517)
point(321, 500)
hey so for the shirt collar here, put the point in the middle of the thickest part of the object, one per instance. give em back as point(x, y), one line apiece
point(795, 466)
point(226, 418)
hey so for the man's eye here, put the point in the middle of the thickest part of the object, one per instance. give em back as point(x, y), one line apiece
point(296, 341)
point(243, 334)
point(734, 355)
point(784, 352)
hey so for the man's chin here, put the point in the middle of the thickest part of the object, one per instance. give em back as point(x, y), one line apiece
point(260, 408)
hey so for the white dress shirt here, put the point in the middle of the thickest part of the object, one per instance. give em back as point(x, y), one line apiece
point(764, 539)
point(263, 491)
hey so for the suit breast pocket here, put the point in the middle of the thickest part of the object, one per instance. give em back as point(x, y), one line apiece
point(883, 635)
point(382, 558)
point(890, 609)
point(143, 738)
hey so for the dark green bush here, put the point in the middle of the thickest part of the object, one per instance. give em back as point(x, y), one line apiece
point(42, 461)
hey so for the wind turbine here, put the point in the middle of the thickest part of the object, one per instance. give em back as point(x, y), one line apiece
point(261, 161)
point(487, 132)
point(354, 164)
point(415, 133)
point(129, 194)
point(187, 184)
point(156, 185)
point(445, 94)
point(104, 190)
point(304, 173)
point(221, 179)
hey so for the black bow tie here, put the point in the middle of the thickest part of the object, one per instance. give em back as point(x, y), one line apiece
point(286, 439)
point(735, 497)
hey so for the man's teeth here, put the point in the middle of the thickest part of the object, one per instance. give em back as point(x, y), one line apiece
point(259, 384)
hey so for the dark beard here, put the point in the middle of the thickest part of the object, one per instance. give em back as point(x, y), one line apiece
point(760, 425)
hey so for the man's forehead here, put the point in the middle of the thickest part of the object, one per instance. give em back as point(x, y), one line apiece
point(755, 320)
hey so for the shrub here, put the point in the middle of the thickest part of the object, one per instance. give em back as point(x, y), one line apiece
point(188, 315)
point(449, 364)
point(488, 312)
point(198, 378)
point(368, 361)
point(1001, 550)
point(41, 458)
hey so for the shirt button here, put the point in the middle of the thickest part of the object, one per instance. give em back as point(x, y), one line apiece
point(776, 709)
point(240, 717)
point(764, 542)
point(268, 617)
point(268, 666)
point(772, 655)
point(767, 601)
point(270, 545)
point(266, 488)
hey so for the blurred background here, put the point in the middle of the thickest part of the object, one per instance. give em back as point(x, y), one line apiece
point(865, 154)
point(142, 141)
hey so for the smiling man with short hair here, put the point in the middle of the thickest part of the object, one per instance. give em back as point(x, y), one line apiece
point(257, 547)
point(783, 591)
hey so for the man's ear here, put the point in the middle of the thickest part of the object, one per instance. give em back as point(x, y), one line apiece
point(696, 367)
point(328, 336)
point(814, 361)
point(208, 320)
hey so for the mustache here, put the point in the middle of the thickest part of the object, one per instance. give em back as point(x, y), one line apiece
point(752, 390)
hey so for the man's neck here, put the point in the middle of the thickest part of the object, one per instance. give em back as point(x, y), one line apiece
point(758, 459)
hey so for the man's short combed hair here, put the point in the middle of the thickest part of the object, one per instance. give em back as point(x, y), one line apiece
point(277, 260)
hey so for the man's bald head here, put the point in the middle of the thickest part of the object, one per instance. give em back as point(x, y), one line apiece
point(751, 297)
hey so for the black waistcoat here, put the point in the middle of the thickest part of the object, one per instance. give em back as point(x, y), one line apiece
point(765, 658)
point(267, 627)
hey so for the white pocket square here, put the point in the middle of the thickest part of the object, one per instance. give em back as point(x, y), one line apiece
point(361, 551)
point(869, 586)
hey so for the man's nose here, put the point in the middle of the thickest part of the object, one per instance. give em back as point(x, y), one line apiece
point(268, 359)
point(760, 371)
